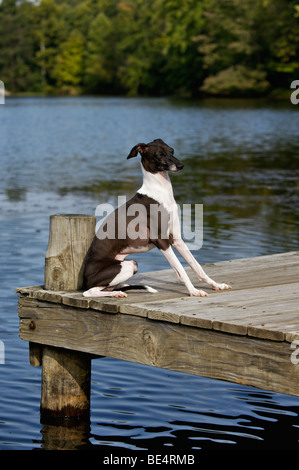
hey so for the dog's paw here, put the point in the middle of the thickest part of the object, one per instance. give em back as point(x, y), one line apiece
point(221, 286)
point(198, 293)
point(93, 292)
point(118, 293)
point(99, 292)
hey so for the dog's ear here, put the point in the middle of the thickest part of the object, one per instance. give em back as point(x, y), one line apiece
point(138, 148)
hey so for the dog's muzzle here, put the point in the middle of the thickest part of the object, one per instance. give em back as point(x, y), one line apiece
point(176, 167)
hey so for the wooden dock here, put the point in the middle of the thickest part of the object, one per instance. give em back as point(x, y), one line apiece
point(246, 335)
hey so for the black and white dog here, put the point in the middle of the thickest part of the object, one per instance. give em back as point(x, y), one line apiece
point(106, 268)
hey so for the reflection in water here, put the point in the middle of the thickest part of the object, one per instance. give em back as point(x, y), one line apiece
point(66, 437)
point(190, 414)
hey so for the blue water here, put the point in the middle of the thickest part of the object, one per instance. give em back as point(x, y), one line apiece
point(66, 155)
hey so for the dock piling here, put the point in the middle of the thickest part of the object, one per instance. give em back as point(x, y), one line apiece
point(65, 385)
point(70, 236)
point(65, 391)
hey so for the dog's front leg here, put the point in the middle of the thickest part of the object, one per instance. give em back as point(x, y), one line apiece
point(181, 273)
point(184, 251)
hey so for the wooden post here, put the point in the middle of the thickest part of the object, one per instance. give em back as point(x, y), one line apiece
point(65, 373)
point(70, 237)
point(35, 354)
point(65, 385)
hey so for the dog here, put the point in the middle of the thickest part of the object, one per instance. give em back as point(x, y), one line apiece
point(106, 268)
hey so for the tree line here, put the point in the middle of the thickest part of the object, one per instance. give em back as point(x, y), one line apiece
point(149, 47)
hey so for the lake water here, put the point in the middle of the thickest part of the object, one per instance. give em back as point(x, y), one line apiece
point(67, 155)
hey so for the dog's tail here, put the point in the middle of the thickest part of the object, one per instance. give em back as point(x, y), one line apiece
point(126, 287)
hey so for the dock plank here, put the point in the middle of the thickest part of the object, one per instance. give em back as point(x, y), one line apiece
point(264, 301)
point(261, 363)
point(243, 335)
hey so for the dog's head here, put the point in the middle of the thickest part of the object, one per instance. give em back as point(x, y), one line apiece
point(156, 157)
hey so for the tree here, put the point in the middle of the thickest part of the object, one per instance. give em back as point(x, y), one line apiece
point(68, 68)
point(50, 30)
point(182, 63)
point(242, 41)
point(149, 47)
point(100, 63)
point(282, 59)
point(17, 65)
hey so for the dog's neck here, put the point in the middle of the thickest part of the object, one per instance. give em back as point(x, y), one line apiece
point(157, 186)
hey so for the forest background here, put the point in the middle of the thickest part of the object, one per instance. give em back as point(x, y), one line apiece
point(149, 47)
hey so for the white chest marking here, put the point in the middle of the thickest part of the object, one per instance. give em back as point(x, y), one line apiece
point(158, 187)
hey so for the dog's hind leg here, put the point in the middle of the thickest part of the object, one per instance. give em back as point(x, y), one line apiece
point(102, 283)
point(125, 287)
point(100, 292)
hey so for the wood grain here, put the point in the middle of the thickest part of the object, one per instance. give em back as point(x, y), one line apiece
point(242, 335)
point(264, 301)
point(65, 390)
point(70, 237)
point(257, 362)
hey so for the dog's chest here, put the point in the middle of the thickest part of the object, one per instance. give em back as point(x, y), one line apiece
point(159, 188)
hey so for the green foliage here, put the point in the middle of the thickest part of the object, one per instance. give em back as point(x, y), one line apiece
point(236, 80)
point(246, 44)
point(149, 47)
point(68, 67)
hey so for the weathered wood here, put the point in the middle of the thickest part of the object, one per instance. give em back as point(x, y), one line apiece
point(35, 354)
point(65, 384)
point(242, 335)
point(255, 362)
point(69, 239)
point(262, 310)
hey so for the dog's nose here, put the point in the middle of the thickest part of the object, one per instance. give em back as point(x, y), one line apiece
point(180, 166)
